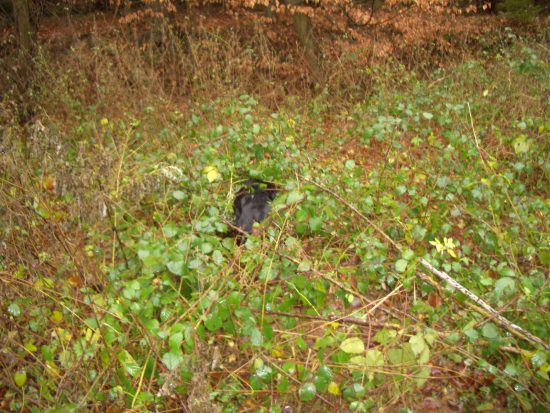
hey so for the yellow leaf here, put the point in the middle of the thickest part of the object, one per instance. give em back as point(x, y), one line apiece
point(277, 353)
point(56, 317)
point(63, 335)
point(52, 369)
point(333, 388)
point(211, 173)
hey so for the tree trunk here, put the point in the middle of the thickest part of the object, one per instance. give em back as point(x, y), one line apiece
point(304, 31)
point(22, 17)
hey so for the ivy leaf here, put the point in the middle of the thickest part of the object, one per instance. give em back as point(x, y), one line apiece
point(505, 286)
point(307, 392)
point(14, 309)
point(353, 345)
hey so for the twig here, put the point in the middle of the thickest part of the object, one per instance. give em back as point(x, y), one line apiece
point(502, 321)
point(335, 318)
point(115, 229)
point(390, 311)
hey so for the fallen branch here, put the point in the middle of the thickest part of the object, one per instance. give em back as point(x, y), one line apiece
point(502, 321)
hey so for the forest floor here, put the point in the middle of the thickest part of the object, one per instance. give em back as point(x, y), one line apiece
point(428, 139)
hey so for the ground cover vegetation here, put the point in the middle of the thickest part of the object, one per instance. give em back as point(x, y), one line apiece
point(410, 137)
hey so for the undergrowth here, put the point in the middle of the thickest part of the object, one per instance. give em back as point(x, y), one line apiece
point(119, 290)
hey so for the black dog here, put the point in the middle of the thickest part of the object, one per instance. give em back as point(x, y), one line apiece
point(252, 203)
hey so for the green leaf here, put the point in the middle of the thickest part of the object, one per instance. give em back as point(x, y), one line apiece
point(353, 345)
point(375, 358)
point(512, 369)
point(217, 257)
point(256, 338)
point(206, 248)
point(538, 359)
point(505, 286)
point(315, 224)
point(325, 372)
point(359, 360)
point(176, 267)
point(385, 336)
point(283, 384)
point(401, 265)
point(179, 195)
point(294, 197)
point(174, 342)
point(128, 363)
point(350, 164)
point(408, 254)
point(20, 378)
point(307, 392)
point(422, 376)
point(472, 334)
point(400, 356)
point(172, 360)
point(521, 144)
point(170, 230)
point(213, 321)
point(14, 309)
point(418, 344)
point(490, 331)
point(304, 266)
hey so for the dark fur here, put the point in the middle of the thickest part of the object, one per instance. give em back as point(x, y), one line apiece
point(252, 203)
